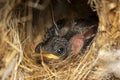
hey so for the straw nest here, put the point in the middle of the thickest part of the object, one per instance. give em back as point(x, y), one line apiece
point(20, 32)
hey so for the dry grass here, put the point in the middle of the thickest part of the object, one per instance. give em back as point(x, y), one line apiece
point(18, 39)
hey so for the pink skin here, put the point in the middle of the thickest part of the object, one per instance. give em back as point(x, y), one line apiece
point(77, 42)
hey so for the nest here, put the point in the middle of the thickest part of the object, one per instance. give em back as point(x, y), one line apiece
point(20, 32)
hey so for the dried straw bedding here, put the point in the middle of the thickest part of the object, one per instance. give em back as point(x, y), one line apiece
point(18, 39)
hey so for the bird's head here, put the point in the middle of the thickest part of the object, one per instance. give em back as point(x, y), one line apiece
point(54, 48)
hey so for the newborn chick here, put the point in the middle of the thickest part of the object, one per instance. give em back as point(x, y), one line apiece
point(56, 46)
point(81, 34)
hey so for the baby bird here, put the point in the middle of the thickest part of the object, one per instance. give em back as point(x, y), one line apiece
point(75, 40)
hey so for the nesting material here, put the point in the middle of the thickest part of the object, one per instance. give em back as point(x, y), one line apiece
point(18, 38)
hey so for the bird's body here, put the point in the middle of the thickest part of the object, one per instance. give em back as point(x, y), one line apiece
point(76, 38)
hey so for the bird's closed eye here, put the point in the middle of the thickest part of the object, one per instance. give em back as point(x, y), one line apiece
point(38, 47)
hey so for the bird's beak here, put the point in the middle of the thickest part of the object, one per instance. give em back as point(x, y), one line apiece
point(50, 56)
point(47, 55)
